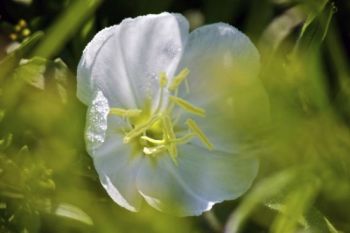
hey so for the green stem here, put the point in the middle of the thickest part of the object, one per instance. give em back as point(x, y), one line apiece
point(213, 221)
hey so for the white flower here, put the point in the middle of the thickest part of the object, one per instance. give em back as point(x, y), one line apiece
point(165, 112)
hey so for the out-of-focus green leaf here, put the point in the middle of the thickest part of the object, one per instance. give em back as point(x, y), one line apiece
point(281, 27)
point(32, 71)
point(306, 71)
point(312, 220)
point(338, 54)
point(3, 205)
point(316, 26)
point(313, 8)
point(40, 72)
point(61, 73)
point(296, 203)
point(331, 228)
point(12, 60)
point(317, 222)
point(65, 27)
point(2, 114)
point(72, 212)
point(6, 142)
point(263, 191)
point(315, 17)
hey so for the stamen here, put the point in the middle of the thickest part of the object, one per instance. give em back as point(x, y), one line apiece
point(154, 141)
point(169, 135)
point(200, 134)
point(184, 139)
point(178, 79)
point(163, 80)
point(168, 128)
point(187, 106)
point(125, 112)
point(139, 129)
point(157, 134)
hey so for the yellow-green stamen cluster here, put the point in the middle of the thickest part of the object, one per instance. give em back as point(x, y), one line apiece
point(155, 132)
point(21, 31)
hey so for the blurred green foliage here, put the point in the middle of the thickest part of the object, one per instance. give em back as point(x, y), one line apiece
point(47, 180)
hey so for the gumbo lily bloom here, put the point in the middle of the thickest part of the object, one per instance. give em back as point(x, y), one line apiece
point(166, 112)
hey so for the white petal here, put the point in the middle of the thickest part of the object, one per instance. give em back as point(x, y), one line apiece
point(124, 60)
point(113, 160)
point(201, 179)
point(96, 121)
point(160, 183)
point(223, 79)
point(117, 168)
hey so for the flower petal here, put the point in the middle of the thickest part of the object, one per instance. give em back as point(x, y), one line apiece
point(124, 60)
point(216, 176)
point(201, 179)
point(96, 121)
point(223, 80)
point(218, 53)
point(113, 161)
point(117, 169)
point(160, 183)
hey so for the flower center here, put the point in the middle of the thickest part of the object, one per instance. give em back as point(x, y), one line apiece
point(155, 131)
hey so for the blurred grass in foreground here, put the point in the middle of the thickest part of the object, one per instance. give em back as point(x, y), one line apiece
point(47, 180)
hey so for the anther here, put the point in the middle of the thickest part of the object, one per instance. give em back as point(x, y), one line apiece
point(187, 106)
point(184, 139)
point(199, 133)
point(177, 80)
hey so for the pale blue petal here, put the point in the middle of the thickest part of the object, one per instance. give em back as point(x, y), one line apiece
point(215, 175)
point(223, 80)
point(160, 183)
point(218, 53)
point(201, 179)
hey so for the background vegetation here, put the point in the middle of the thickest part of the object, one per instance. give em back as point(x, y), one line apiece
point(48, 183)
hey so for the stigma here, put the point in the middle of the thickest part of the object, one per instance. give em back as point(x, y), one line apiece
point(154, 131)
